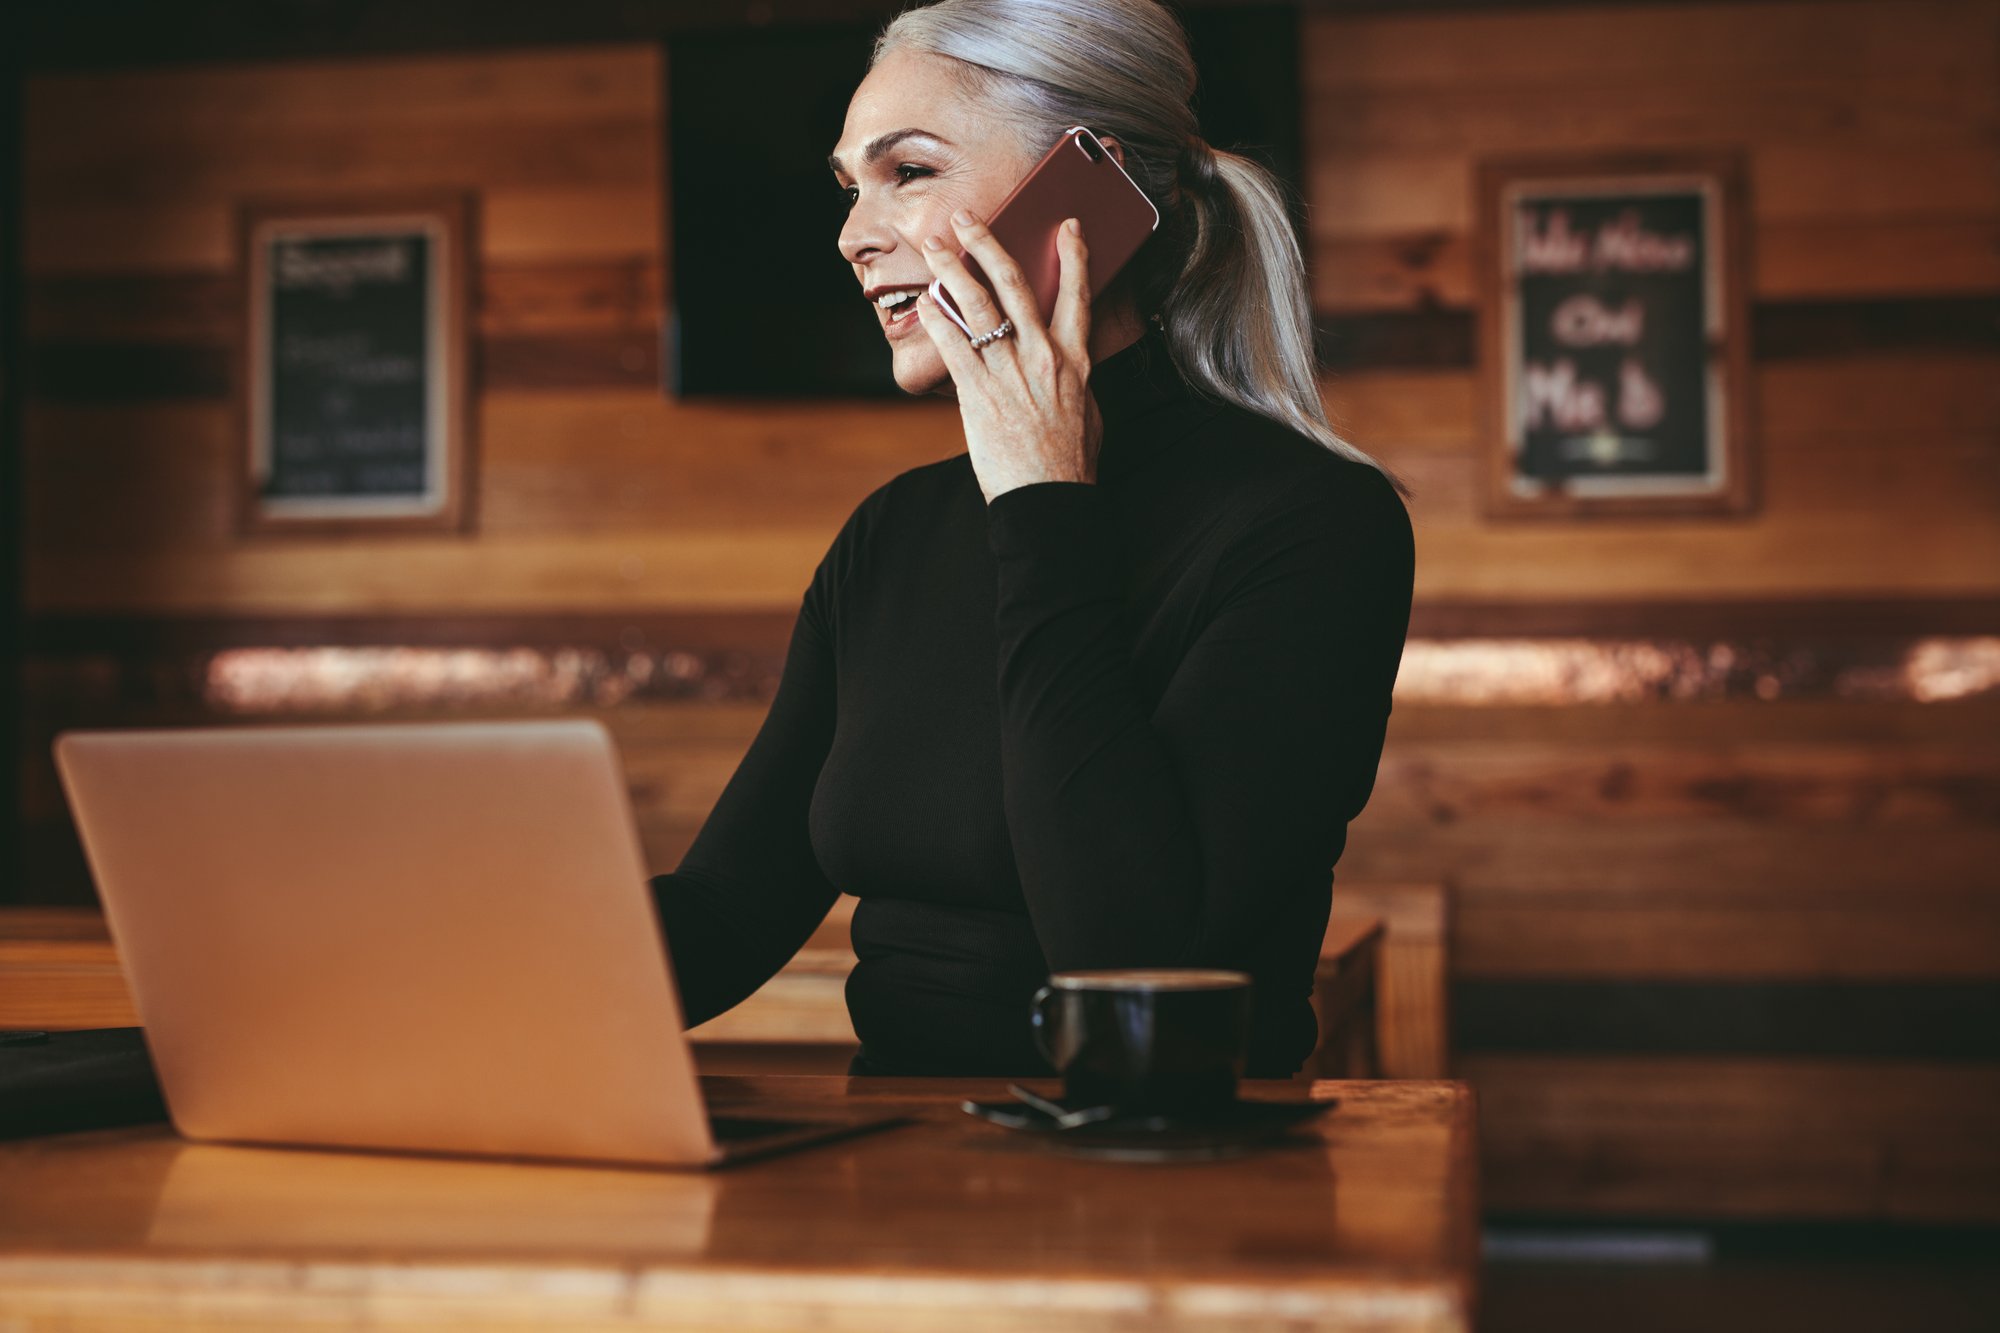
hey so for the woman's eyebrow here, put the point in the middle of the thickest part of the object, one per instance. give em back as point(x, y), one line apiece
point(882, 143)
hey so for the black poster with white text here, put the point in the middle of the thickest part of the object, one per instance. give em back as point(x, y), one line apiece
point(350, 324)
point(1611, 313)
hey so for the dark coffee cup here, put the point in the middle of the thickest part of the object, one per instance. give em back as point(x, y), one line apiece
point(1148, 1041)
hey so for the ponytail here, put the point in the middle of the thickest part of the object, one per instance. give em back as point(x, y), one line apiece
point(1235, 309)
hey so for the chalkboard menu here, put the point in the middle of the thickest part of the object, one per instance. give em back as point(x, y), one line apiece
point(355, 369)
point(1614, 336)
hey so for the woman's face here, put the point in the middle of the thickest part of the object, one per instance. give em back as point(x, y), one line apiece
point(913, 151)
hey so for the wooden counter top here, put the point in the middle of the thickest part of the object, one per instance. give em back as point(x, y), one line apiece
point(1369, 1222)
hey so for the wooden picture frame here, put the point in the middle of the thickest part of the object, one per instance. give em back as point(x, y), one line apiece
point(1614, 334)
point(354, 386)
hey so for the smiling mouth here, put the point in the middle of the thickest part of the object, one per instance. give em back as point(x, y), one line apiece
point(901, 310)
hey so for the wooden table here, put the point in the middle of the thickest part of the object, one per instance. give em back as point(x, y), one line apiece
point(1368, 1222)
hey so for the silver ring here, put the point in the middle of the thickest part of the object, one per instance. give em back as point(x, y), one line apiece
point(993, 335)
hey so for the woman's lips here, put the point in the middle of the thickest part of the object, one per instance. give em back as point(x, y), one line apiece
point(901, 322)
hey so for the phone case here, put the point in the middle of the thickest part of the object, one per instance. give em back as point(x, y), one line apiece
point(1075, 179)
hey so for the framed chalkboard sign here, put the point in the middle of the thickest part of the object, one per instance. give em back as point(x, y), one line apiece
point(1613, 349)
point(354, 396)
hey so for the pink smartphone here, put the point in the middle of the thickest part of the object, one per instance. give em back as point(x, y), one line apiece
point(1075, 179)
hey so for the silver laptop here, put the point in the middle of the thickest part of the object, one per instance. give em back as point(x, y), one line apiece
point(429, 937)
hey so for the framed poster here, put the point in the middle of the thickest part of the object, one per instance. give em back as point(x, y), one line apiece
point(1614, 361)
point(354, 391)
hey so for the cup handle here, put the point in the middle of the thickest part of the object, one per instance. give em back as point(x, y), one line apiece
point(1041, 1021)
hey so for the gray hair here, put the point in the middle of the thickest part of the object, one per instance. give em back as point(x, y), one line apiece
point(1223, 273)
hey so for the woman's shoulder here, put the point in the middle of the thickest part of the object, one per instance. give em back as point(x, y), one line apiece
point(1272, 472)
point(1310, 518)
point(919, 494)
point(896, 511)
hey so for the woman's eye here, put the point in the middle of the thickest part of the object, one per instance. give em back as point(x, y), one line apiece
point(905, 173)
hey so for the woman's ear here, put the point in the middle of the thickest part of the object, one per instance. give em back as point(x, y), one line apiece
point(1113, 147)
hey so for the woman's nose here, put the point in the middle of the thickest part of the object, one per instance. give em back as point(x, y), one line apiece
point(864, 233)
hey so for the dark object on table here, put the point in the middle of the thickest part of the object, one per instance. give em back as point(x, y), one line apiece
point(56, 1082)
point(1102, 1132)
point(1150, 1041)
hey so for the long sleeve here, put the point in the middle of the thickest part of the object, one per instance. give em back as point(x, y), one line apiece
point(1178, 833)
point(750, 891)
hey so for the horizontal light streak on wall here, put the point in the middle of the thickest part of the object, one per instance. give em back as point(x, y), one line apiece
point(1555, 671)
point(1953, 668)
point(1584, 671)
point(1467, 672)
point(286, 680)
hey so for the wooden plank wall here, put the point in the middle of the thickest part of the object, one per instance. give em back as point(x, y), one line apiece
point(595, 492)
point(1716, 958)
point(1870, 132)
point(1707, 955)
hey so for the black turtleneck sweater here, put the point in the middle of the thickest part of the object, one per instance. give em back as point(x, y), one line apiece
point(1120, 724)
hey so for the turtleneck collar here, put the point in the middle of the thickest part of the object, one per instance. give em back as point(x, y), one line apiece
point(1133, 386)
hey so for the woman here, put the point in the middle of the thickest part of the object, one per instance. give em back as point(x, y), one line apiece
point(1104, 690)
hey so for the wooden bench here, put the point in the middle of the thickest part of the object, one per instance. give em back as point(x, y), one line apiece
point(58, 970)
point(798, 1023)
point(1394, 991)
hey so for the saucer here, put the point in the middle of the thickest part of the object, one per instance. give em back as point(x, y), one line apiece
point(1227, 1131)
